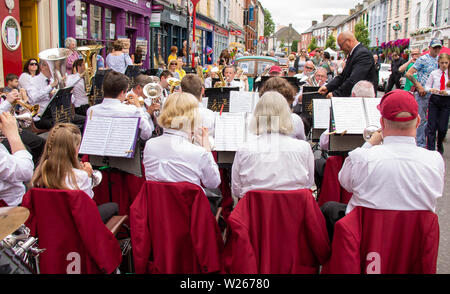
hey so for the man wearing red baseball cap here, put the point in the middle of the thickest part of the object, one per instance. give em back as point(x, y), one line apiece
point(391, 172)
point(275, 71)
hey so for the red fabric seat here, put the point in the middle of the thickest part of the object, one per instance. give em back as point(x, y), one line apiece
point(331, 189)
point(225, 188)
point(3, 203)
point(385, 242)
point(173, 230)
point(276, 232)
point(69, 227)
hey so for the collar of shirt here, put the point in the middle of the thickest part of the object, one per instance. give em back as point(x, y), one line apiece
point(176, 133)
point(399, 140)
point(351, 52)
point(111, 101)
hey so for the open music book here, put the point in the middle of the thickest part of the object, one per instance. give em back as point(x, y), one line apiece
point(353, 115)
point(321, 113)
point(108, 136)
point(231, 131)
point(241, 101)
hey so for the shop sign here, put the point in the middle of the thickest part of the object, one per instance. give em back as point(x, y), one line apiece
point(221, 31)
point(235, 33)
point(201, 24)
point(155, 20)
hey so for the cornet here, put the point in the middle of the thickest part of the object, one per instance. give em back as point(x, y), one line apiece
point(153, 91)
point(24, 116)
point(173, 82)
point(369, 131)
point(130, 96)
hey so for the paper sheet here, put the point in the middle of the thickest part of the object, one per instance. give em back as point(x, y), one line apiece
point(106, 136)
point(241, 101)
point(229, 131)
point(349, 115)
point(321, 108)
point(373, 114)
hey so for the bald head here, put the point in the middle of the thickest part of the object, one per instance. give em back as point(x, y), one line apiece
point(309, 67)
point(347, 41)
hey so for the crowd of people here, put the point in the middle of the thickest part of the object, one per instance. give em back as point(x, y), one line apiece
point(178, 131)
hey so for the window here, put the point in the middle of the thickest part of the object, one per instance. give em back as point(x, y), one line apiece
point(95, 21)
point(398, 7)
point(430, 15)
point(417, 16)
point(406, 28)
point(81, 20)
point(110, 27)
point(407, 5)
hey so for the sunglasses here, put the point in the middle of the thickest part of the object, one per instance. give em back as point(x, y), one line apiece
point(308, 67)
point(33, 63)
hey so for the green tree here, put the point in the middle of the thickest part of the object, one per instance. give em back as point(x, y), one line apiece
point(362, 33)
point(294, 46)
point(269, 25)
point(312, 45)
point(331, 42)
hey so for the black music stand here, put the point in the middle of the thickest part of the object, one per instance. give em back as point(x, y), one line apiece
point(132, 72)
point(218, 97)
point(60, 106)
point(96, 94)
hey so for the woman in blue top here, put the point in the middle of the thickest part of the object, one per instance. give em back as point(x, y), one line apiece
point(117, 60)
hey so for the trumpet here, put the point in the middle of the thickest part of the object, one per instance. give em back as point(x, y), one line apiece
point(130, 96)
point(173, 82)
point(24, 115)
point(219, 72)
point(369, 131)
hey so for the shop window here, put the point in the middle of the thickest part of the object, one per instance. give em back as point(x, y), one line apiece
point(131, 20)
point(110, 26)
point(95, 17)
point(81, 20)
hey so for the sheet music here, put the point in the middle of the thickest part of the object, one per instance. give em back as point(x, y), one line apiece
point(241, 101)
point(349, 115)
point(122, 137)
point(107, 136)
point(373, 114)
point(255, 101)
point(229, 131)
point(321, 108)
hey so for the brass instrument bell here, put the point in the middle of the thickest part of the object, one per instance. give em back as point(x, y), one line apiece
point(56, 60)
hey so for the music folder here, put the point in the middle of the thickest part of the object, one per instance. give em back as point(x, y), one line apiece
point(321, 117)
point(218, 97)
point(349, 118)
point(62, 97)
point(113, 141)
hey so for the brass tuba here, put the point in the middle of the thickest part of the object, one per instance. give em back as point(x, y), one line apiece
point(56, 60)
point(89, 53)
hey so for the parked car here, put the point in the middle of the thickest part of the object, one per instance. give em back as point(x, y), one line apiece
point(383, 78)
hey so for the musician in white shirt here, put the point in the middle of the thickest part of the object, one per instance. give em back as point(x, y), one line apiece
point(76, 80)
point(173, 157)
point(396, 175)
point(165, 75)
point(283, 87)
point(115, 89)
point(15, 168)
point(192, 84)
point(229, 74)
point(273, 160)
point(138, 89)
point(41, 86)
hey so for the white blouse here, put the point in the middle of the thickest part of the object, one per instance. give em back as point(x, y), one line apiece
point(434, 81)
point(299, 127)
point(84, 182)
point(272, 162)
point(173, 158)
point(15, 169)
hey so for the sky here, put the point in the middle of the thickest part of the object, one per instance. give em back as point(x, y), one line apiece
point(301, 13)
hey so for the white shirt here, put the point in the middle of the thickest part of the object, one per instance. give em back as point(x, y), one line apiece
point(14, 170)
point(5, 106)
point(208, 119)
point(234, 84)
point(324, 140)
point(272, 162)
point(208, 82)
point(299, 128)
point(434, 81)
point(84, 182)
point(39, 91)
point(173, 158)
point(79, 96)
point(112, 107)
point(396, 175)
point(25, 81)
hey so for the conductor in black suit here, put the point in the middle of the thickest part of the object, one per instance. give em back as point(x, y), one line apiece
point(360, 65)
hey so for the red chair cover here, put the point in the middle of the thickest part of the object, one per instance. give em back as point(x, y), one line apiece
point(225, 188)
point(385, 242)
point(3, 203)
point(331, 189)
point(173, 230)
point(69, 227)
point(276, 232)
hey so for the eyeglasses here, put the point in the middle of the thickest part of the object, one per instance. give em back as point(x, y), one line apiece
point(33, 63)
point(308, 67)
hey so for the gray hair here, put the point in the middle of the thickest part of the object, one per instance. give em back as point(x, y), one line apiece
point(272, 115)
point(69, 41)
point(363, 89)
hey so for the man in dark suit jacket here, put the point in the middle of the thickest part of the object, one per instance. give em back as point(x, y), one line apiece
point(360, 65)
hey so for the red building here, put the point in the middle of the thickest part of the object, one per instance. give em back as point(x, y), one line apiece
point(306, 36)
point(251, 25)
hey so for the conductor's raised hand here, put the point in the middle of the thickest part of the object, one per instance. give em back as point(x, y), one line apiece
point(323, 90)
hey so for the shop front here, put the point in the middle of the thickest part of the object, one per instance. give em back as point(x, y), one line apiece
point(104, 21)
point(221, 40)
point(204, 39)
point(11, 39)
point(168, 28)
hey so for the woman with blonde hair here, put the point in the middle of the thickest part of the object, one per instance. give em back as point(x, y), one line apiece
point(173, 157)
point(272, 160)
point(59, 167)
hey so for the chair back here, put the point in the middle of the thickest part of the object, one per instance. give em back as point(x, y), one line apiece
point(276, 232)
point(173, 230)
point(69, 227)
point(331, 189)
point(374, 241)
point(3, 203)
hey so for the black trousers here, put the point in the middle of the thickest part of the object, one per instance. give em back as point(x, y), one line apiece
point(438, 116)
point(46, 122)
point(393, 80)
point(33, 143)
point(108, 210)
point(333, 212)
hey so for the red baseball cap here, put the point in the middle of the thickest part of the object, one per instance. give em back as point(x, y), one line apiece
point(398, 101)
point(275, 68)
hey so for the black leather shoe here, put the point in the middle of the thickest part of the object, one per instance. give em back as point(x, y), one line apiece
point(440, 148)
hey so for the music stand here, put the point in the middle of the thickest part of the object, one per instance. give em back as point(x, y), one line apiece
point(96, 94)
point(132, 72)
point(218, 97)
point(309, 93)
point(292, 80)
point(60, 106)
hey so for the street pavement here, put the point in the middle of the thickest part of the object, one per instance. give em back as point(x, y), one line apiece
point(442, 210)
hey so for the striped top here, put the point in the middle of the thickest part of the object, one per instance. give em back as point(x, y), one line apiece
point(118, 63)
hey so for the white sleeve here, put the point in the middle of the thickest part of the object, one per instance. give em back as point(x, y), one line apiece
point(353, 171)
point(5, 106)
point(430, 82)
point(37, 95)
point(236, 184)
point(146, 125)
point(310, 163)
point(299, 127)
point(84, 182)
point(324, 140)
point(17, 167)
point(209, 171)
